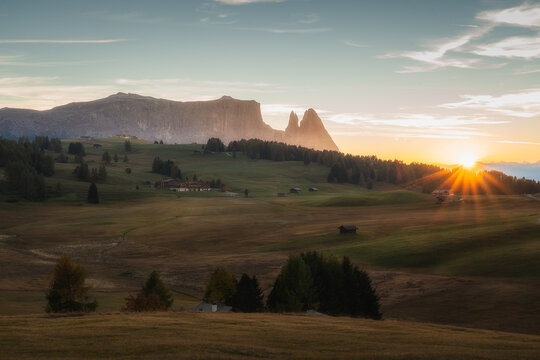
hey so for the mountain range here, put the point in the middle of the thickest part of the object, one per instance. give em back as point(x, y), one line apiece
point(159, 119)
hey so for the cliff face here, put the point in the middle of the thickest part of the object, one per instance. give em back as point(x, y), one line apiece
point(310, 133)
point(152, 119)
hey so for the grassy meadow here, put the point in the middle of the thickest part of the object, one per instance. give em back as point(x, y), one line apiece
point(471, 264)
point(251, 336)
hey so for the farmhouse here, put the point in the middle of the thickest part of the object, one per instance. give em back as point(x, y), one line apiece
point(97, 146)
point(347, 229)
point(198, 185)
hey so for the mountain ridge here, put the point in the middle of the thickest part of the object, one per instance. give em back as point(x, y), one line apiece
point(161, 119)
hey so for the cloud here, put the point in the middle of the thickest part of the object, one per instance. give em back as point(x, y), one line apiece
point(524, 104)
point(524, 15)
point(309, 19)
point(133, 17)
point(287, 30)
point(436, 57)
point(354, 44)
point(44, 93)
point(514, 47)
point(524, 72)
point(57, 41)
point(517, 142)
point(243, 2)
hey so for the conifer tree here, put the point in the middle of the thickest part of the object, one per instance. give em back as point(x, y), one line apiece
point(93, 197)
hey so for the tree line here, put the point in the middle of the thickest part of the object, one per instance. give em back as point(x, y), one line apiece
point(26, 164)
point(344, 168)
point(470, 182)
point(309, 281)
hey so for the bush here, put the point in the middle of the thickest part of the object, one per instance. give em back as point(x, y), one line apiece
point(67, 292)
point(154, 296)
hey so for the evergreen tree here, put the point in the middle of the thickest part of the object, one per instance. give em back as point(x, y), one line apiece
point(246, 192)
point(293, 289)
point(115, 157)
point(127, 146)
point(221, 287)
point(76, 148)
point(215, 145)
point(67, 292)
point(125, 158)
point(106, 158)
point(154, 285)
point(93, 197)
point(248, 296)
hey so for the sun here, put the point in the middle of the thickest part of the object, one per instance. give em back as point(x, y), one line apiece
point(467, 161)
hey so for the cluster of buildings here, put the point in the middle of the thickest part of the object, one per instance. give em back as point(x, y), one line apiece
point(184, 185)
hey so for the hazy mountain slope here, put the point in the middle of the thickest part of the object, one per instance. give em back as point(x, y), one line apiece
point(159, 119)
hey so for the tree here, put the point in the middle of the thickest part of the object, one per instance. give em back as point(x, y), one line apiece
point(127, 145)
point(76, 148)
point(322, 282)
point(215, 145)
point(248, 296)
point(221, 287)
point(102, 173)
point(93, 197)
point(161, 142)
point(67, 292)
point(82, 172)
point(106, 157)
point(125, 158)
point(115, 157)
point(293, 289)
point(154, 285)
point(246, 192)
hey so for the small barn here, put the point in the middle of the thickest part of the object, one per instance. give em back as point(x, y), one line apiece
point(313, 189)
point(295, 190)
point(215, 307)
point(347, 229)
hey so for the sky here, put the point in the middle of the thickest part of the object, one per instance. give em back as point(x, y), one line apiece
point(415, 80)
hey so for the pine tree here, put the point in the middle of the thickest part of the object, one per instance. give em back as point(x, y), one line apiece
point(127, 145)
point(248, 296)
point(115, 157)
point(125, 158)
point(93, 197)
point(106, 158)
point(154, 285)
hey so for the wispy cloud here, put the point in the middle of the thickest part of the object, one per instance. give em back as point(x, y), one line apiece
point(524, 15)
point(60, 41)
point(42, 93)
point(133, 17)
point(517, 142)
point(309, 19)
point(521, 104)
point(243, 2)
point(287, 30)
point(354, 44)
point(514, 47)
point(524, 72)
point(436, 56)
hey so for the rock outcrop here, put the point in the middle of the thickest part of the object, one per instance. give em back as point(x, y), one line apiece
point(159, 119)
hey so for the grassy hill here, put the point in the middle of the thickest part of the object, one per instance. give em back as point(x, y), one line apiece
point(429, 262)
point(250, 336)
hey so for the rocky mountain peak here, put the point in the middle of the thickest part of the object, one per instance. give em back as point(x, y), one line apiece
point(292, 127)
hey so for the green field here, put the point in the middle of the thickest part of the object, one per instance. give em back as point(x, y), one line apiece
point(471, 264)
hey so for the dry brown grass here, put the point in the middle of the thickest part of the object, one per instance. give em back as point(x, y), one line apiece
point(247, 336)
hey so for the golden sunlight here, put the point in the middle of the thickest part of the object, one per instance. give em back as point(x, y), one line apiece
point(468, 160)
